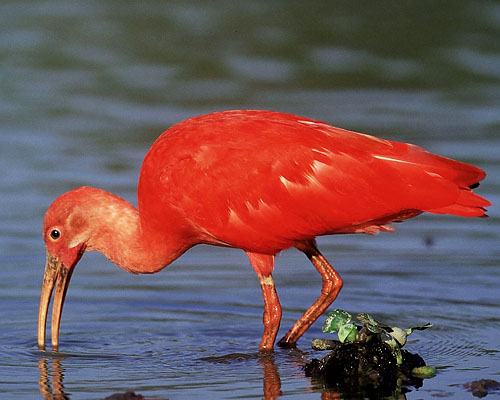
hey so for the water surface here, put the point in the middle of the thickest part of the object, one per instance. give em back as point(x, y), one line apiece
point(86, 87)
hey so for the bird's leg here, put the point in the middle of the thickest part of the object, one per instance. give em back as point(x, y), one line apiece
point(332, 283)
point(263, 265)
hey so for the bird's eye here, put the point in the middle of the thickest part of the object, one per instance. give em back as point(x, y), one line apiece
point(55, 234)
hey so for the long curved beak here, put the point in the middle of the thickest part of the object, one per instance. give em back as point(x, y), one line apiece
point(56, 274)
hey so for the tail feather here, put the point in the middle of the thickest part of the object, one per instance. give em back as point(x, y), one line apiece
point(462, 174)
point(468, 204)
point(465, 176)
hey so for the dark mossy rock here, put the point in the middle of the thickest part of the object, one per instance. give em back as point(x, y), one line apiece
point(482, 387)
point(125, 396)
point(366, 370)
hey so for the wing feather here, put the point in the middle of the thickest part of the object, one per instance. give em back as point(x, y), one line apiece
point(264, 180)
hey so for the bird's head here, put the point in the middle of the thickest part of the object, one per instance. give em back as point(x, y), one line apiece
point(84, 219)
point(65, 234)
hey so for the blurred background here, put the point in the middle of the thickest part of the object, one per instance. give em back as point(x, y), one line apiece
point(86, 87)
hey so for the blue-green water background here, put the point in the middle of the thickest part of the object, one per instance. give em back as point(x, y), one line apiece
point(86, 87)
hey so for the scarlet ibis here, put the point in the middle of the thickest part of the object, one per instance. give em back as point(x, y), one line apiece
point(260, 181)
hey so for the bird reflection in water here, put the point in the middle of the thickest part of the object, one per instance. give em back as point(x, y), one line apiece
point(271, 381)
point(54, 391)
point(271, 384)
point(52, 377)
point(51, 380)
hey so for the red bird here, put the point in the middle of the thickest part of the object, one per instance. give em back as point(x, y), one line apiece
point(260, 181)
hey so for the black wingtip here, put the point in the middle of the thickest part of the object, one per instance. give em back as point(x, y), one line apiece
point(474, 185)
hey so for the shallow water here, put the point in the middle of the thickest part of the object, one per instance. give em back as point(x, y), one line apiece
point(86, 87)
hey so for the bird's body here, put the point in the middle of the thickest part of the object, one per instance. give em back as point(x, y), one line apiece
point(263, 182)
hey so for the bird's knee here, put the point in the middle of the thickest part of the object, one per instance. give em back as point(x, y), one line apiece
point(331, 287)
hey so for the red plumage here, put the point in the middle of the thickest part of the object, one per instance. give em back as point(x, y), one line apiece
point(261, 181)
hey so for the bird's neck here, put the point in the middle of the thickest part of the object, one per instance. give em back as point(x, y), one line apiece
point(119, 234)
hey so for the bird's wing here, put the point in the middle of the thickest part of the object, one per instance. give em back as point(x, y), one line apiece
point(279, 179)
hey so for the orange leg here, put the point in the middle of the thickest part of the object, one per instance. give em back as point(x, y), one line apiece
point(332, 283)
point(263, 265)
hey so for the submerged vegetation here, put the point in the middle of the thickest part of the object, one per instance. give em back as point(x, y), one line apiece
point(392, 336)
point(367, 358)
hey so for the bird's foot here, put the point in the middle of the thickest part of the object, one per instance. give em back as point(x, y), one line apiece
point(285, 344)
